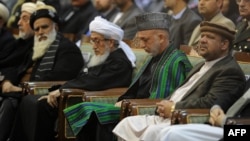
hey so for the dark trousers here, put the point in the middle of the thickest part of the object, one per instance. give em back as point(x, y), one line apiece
point(35, 120)
point(94, 131)
point(8, 108)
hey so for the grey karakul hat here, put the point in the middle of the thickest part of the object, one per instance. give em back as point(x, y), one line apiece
point(150, 21)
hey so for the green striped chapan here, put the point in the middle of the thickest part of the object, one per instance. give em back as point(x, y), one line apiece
point(79, 114)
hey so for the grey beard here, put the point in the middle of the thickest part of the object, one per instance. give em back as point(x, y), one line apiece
point(98, 59)
point(41, 47)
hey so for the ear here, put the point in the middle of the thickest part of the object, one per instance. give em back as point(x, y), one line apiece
point(220, 4)
point(161, 37)
point(111, 43)
point(56, 27)
point(224, 44)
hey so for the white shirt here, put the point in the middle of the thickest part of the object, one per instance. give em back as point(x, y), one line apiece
point(181, 91)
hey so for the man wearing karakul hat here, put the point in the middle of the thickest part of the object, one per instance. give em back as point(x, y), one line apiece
point(111, 66)
point(165, 68)
point(218, 80)
point(51, 57)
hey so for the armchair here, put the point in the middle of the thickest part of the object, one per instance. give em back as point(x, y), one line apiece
point(238, 121)
point(70, 97)
point(185, 116)
point(38, 87)
point(67, 98)
point(108, 96)
point(132, 107)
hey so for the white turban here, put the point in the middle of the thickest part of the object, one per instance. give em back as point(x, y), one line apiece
point(31, 7)
point(4, 12)
point(113, 31)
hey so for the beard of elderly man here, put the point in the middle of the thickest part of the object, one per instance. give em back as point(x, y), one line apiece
point(43, 42)
point(101, 47)
point(99, 59)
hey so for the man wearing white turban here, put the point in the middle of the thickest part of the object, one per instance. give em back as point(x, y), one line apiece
point(112, 31)
point(111, 66)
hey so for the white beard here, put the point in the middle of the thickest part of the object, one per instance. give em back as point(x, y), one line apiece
point(98, 59)
point(40, 47)
point(22, 35)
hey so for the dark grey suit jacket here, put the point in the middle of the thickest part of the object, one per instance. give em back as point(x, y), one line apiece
point(242, 37)
point(127, 22)
point(182, 29)
point(223, 84)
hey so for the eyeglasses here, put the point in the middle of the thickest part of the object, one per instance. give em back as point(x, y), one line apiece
point(239, 1)
point(97, 41)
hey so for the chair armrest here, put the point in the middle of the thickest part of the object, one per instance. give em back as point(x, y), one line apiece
point(132, 107)
point(69, 93)
point(67, 98)
point(185, 116)
point(105, 96)
point(238, 121)
point(40, 87)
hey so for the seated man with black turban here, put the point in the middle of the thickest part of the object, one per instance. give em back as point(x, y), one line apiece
point(51, 58)
point(111, 66)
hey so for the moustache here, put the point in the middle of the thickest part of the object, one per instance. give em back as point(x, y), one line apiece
point(42, 37)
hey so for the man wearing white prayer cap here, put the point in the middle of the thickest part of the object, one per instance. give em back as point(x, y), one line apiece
point(110, 66)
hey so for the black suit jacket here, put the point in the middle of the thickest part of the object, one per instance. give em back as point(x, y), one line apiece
point(77, 20)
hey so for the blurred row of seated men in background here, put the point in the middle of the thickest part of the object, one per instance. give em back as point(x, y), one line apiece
point(75, 16)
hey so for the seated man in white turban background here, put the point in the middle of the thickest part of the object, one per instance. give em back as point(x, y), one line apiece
point(111, 66)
